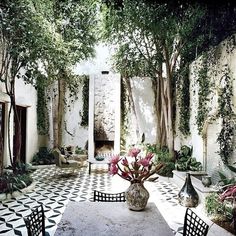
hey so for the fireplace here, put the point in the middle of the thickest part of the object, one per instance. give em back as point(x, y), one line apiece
point(104, 147)
point(104, 115)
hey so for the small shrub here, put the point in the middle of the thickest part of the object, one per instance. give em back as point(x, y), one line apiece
point(43, 157)
point(10, 182)
point(162, 156)
point(214, 207)
point(80, 151)
point(185, 160)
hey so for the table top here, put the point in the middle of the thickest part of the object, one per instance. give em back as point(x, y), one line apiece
point(110, 219)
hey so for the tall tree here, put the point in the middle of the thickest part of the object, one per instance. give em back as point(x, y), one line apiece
point(22, 34)
point(40, 41)
point(150, 39)
point(75, 22)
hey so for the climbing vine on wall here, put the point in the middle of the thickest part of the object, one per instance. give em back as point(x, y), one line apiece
point(85, 97)
point(124, 112)
point(184, 100)
point(203, 92)
point(226, 135)
point(42, 111)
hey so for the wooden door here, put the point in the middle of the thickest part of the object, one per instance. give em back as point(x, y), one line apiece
point(19, 138)
point(2, 124)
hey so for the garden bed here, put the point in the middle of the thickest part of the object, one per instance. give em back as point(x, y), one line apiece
point(17, 193)
point(227, 225)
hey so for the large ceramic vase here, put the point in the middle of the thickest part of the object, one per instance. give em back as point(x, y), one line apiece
point(188, 196)
point(136, 196)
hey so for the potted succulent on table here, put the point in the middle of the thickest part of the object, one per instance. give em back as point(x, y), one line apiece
point(135, 168)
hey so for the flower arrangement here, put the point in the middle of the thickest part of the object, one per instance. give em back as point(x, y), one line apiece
point(134, 168)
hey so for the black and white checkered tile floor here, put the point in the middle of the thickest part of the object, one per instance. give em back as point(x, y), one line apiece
point(55, 191)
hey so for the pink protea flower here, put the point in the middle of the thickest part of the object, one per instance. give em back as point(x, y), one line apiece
point(115, 159)
point(149, 156)
point(125, 162)
point(144, 162)
point(134, 152)
point(125, 175)
point(136, 169)
point(113, 169)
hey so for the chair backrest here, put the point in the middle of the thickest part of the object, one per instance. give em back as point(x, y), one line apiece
point(35, 222)
point(108, 197)
point(193, 225)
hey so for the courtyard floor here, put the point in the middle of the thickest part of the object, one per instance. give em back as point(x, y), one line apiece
point(55, 191)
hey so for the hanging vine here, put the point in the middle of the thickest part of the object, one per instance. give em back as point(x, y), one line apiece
point(125, 107)
point(203, 92)
point(85, 98)
point(226, 135)
point(184, 100)
point(42, 111)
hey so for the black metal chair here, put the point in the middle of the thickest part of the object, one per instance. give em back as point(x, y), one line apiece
point(108, 197)
point(35, 222)
point(193, 225)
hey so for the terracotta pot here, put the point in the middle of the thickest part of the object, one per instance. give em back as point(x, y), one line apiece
point(136, 196)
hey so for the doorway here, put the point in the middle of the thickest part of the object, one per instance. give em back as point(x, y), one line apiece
point(2, 124)
point(19, 138)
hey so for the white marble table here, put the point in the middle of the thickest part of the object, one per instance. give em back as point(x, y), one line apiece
point(111, 219)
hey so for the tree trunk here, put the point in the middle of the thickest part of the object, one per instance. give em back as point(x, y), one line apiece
point(132, 104)
point(55, 117)
point(61, 108)
point(169, 104)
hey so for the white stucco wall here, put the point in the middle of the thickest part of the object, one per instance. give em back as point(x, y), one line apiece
point(26, 96)
point(146, 119)
point(73, 133)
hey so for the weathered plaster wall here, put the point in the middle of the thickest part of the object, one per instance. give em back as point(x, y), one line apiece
point(74, 134)
point(144, 105)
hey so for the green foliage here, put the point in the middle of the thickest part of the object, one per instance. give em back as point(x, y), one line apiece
point(163, 156)
point(185, 160)
point(214, 207)
point(85, 98)
point(226, 135)
point(80, 151)
point(184, 100)
point(10, 182)
point(43, 157)
point(42, 111)
point(125, 107)
point(226, 181)
point(203, 92)
point(141, 39)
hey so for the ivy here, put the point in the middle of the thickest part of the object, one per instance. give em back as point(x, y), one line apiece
point(184, 100)
point(85, 97)
point(42, 111)
point(125, 107)
point(226, 135)
point(203, 92)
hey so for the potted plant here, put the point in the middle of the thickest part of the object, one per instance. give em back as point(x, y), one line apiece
point(135, 168)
